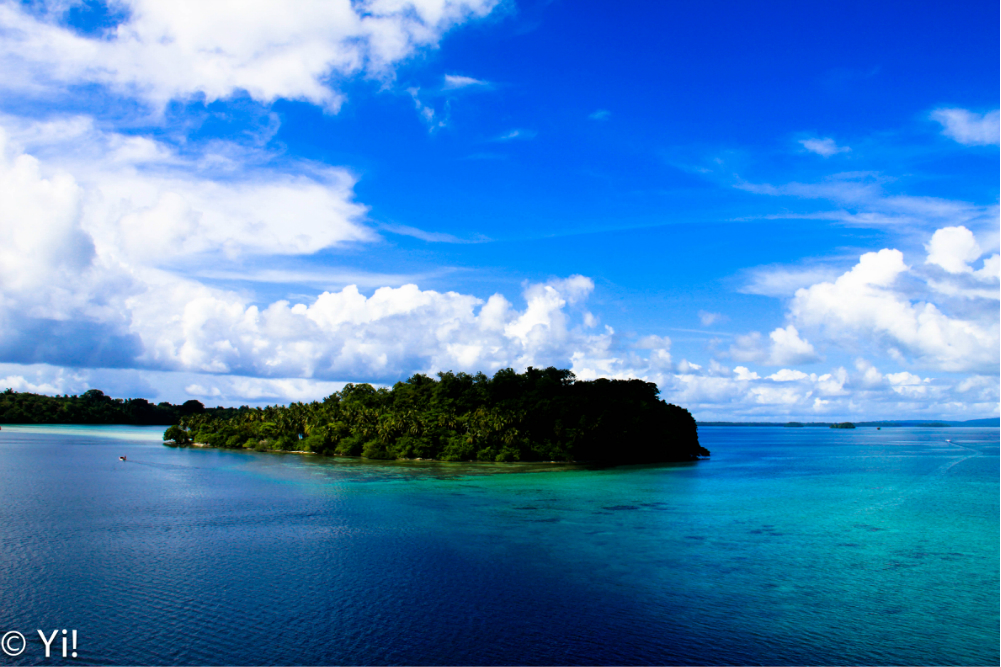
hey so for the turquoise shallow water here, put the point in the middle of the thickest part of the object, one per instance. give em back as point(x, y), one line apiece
point(789, 546)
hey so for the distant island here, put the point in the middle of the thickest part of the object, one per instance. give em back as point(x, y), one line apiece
point(989, 421)
point(95, 407)
point(538, 415)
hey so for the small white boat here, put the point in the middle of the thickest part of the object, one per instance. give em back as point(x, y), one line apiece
point(121, 458)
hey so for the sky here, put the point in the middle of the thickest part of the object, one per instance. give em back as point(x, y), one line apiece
point(774, 211)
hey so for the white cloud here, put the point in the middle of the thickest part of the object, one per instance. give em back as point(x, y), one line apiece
point(787, 375)
point(789, 348)
point(430, 237)
point(600, 114)
point(864, 202)
point(143, 202)
point(89, 281)
point(203, 392)
point(903, 379)
point(991, 268)
point(748, 348)
point(742, 395)
point(871, 377)
point(511, 135)
point(940, 315)
point(686, 367)
point(708, 319)
point(456, 81)
point(825, 147)
point(89, 243)
point(868, 303)
point(82, 235)
point(953, 248)
point(327, 279)
point(55, 381)
point(180, 49)
point(427, 112)
point(653, 343)
point(81, 285)
point(783, 281)
point(786, 348)
point(176, 387)
point(969, 128)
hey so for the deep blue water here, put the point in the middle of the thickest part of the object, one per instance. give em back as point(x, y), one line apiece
point(789, 546)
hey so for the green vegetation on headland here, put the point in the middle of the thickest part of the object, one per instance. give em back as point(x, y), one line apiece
point(538, 415)
point(94, 407)
point(843, 425)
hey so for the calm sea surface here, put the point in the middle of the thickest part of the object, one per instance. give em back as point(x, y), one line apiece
point(789, 546)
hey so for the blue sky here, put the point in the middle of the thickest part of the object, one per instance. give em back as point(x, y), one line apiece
point(781, 211)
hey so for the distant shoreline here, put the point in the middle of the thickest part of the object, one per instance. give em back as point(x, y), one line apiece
point(970, 423)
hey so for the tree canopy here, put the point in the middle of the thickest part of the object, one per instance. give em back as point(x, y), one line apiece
point(538, 415)
point(95, 407)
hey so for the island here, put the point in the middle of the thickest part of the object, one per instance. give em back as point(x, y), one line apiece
point(843, 425)
point(539, 415)
point(95, 407)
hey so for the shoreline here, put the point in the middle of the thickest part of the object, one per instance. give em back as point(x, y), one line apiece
point(362, 459)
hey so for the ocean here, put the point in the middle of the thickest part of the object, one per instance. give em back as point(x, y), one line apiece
point(790, 546)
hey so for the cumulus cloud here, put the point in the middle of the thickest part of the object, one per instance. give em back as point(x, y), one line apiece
point(93, 224)
point(825, 147)
point(742, 394)
point(788, 348)
point(955, 249)
point(869, 303)
point(175, 50)
point(142, 201)
point(969, 128)
point(720, 393)
point(89, 240)
point(86, 281)
point(85, 234)
point(936, 315)
point(75, 294)
point(785, 347)
point(787, 375)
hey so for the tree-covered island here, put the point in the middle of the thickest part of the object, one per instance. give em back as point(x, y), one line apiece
point(538, 415)
point(95, 407)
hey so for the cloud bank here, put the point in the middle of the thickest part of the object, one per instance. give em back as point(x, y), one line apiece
point(90, 291)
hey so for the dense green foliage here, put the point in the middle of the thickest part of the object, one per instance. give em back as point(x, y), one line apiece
point(539, 415)
point(843, 425)
point(94, 407)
